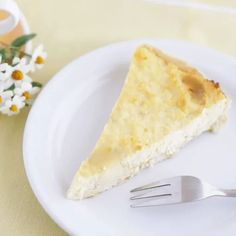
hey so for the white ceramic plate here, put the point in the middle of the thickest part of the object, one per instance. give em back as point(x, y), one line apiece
point(66, 121)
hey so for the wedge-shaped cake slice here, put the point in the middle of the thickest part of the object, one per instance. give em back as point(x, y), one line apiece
point(163, 105)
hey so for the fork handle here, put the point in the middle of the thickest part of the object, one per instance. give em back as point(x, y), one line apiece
point(229, 192)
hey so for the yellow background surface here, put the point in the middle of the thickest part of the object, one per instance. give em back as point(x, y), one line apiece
point(68, 29)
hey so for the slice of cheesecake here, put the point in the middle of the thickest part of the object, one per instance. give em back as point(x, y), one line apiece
point(163, 105)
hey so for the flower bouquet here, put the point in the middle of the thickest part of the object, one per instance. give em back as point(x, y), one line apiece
point(17, 89)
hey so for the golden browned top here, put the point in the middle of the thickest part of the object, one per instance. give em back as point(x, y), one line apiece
point(161, 95)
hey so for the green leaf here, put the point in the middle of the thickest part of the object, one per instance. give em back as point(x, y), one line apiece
point(12, 53)
point(36, 84)
point(12, 87)
point(3, 54)
point(22, 40)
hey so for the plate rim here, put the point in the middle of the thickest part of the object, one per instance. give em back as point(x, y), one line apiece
point(56, 79)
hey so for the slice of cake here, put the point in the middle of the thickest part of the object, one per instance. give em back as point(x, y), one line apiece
point(163, 105)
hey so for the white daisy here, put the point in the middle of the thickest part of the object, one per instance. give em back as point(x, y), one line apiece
point(4, 71)
point(13, 106)
point(4, 96)
point(18, 72)
point(38, 58)
point(27, 91)
point(4, 75)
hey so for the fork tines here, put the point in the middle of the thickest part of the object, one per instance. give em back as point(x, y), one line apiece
point(154, 194)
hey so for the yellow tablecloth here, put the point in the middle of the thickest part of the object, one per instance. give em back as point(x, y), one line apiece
point(69, 29)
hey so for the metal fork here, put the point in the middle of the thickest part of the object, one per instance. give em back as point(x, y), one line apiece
point(176, 190)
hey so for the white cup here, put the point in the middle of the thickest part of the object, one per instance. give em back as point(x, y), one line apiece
point(14, 18)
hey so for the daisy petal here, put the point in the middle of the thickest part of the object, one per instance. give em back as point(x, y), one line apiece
point(16, 60)
point(26, 86)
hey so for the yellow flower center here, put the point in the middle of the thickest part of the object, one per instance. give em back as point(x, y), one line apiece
point(39, 60)
point(27, 95)
point(17, 75)
point(14, 108)
point(1, 100)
